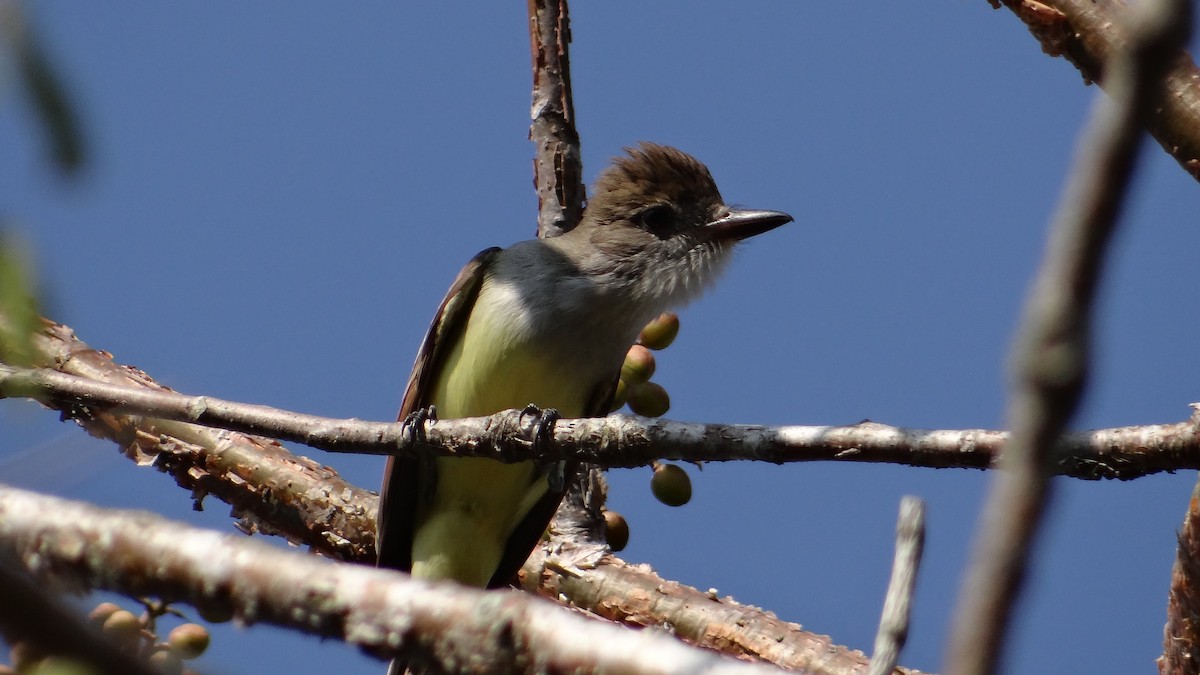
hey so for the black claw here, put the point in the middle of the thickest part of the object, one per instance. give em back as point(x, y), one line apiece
point(543, 437)
point(543, 428)
point(414, 423)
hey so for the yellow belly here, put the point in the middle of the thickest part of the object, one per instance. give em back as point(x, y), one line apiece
point(461, 532)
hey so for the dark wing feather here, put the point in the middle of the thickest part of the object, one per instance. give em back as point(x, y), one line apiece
point(398, 496)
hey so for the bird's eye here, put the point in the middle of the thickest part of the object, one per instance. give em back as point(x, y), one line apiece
point(657, 218)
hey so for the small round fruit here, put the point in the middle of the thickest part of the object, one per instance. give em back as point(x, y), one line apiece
point(616, 530)
point(102, 611)
point(123, 627)
point(661, 332)
point(648, 399)
point(189, 640)
point(639, 365)
point(165, 661)
point(671, 485)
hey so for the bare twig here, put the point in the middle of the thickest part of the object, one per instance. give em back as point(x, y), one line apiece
point(1051, 354)
point(384, 612)
point(897, 604)
point(557, 172)
point(1086, 33)
point(622, 441)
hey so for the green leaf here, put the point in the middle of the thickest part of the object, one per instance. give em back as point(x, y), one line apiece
point(19, 315)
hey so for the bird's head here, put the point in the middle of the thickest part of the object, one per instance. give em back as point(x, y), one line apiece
point(657, 222)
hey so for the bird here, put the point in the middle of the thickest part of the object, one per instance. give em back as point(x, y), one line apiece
point(547, 322)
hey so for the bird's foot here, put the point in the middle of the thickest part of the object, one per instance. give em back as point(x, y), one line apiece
point(414, 424)
point(542, 438)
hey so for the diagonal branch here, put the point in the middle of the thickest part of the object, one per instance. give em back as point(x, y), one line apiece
point(1181, 634)
point(1086, 33)
point(634, 595)
point(1052, 350)
point(271, 490)
point(385, 613)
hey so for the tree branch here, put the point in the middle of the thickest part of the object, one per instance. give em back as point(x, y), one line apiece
point(634, 595)
point(384, 612)
point(1086, 33)
point(1051, 353)
point(1181, 634)
point(271, 490)
point(557, 168)
point(897, 604)
point(622, 441)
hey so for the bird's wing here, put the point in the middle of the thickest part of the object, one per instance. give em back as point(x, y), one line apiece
point(398, 496)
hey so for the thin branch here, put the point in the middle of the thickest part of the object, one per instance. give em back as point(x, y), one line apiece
point(897, 604)
point(384, 612)
point(1051, 353)
point(557, 168)
point(1181, 634)
point(1086, 33)
point(624, 441)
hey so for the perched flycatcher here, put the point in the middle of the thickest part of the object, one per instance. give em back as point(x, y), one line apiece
point(547, 322)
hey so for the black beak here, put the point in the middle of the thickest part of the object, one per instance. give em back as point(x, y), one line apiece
point(738, 224)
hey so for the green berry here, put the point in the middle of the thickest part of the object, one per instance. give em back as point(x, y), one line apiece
point(616, 530)
point(661, 332)
point(638, 366)
point(165, 661)
point(189, 640)
point(101, 612)
point(123, 627)
point(671, 485)
point(648, 399)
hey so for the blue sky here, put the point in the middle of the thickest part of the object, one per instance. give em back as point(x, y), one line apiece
point(279, 194)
